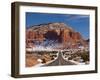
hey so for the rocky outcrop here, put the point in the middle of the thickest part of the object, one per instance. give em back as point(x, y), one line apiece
point(59, 32)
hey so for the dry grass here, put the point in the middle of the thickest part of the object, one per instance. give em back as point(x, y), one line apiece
point(46, 57)
point(31, 60)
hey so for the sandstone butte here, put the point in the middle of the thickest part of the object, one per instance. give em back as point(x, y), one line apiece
point(59, 31)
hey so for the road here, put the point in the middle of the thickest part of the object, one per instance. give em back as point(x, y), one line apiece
point(59, 61)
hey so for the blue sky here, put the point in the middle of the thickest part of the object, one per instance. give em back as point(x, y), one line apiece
point(79, 23)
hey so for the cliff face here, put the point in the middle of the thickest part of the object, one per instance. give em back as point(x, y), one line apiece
point(53, 33)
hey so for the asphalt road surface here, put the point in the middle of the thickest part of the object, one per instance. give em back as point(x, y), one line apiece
point(59, 61)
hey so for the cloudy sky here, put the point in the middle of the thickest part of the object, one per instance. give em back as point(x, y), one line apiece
point(79, 23)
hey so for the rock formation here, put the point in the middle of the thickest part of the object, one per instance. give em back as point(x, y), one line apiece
point(58, 32)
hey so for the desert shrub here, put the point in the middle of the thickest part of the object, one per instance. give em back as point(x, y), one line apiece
point(43, 61)
point(85, 56)
point(70, 58)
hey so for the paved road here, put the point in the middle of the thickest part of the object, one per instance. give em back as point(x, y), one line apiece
point(59, 61)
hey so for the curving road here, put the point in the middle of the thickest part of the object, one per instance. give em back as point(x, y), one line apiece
point(60, 61)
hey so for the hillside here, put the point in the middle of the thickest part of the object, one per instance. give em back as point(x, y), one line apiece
point(54, 35)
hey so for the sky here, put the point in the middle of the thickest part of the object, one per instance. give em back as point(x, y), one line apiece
point(80, 23)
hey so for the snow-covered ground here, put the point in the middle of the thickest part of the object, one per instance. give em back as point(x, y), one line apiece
point(42, 48)
point(41, 64)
